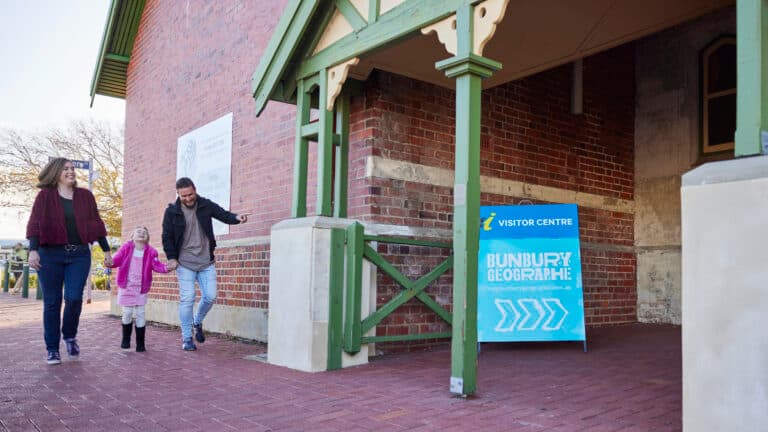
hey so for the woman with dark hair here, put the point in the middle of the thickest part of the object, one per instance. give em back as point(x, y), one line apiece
point(64, 221)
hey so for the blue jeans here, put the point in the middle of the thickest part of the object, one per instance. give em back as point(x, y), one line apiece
point(68, 269)
point(206, 279)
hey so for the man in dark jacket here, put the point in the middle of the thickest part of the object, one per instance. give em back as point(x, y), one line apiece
point(189, 243)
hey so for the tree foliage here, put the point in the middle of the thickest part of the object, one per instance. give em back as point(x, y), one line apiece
point(23, 155)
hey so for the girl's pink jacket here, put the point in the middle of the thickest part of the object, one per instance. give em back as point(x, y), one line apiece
point(122, 259)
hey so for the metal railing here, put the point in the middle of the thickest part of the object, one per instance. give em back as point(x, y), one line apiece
point(25, 281)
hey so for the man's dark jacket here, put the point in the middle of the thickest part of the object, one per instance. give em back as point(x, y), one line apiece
point(174, 224)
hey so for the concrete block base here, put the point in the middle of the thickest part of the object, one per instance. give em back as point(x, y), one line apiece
point(298, 294)
point(725, 296)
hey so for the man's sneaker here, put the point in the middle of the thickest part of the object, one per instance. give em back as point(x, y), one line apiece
point(53, 358)
point(188, 345)
point(73, 349)
point(199, 335)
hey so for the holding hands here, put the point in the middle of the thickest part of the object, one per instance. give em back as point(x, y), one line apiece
point(108, 259)
point(172, 264)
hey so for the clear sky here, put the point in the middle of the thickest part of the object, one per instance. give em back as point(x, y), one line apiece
point(48, 50)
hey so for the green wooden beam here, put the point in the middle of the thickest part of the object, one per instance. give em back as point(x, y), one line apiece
point(351, 14)
point(312, 83)
point(315, 32)
point(286, 38)
point(402, 21)
point(300, 156)
point(752, 77)
point(324, 151)
point(118, 58)
point(373, 10)
point(434, 305)
point(309, 131)
point(342, 156)
point(353, 299)
point(371, 255)
point(469, 71)
point(317, 28)
point(336, 299)
point(408, 241)
point(409, 337)
point(410, 288)
point(133, 29)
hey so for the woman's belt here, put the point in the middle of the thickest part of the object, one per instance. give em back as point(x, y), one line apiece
point(67, 247)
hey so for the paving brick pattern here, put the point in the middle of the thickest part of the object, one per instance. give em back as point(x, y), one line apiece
point(629, 381)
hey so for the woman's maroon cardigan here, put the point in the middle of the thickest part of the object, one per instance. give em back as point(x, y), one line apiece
point(47, 219)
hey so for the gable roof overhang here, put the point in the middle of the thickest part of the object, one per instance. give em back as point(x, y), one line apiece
point(288, 55)
point(109, 75)
point(532, 37)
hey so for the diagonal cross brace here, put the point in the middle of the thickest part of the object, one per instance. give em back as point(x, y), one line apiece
point(411, 289)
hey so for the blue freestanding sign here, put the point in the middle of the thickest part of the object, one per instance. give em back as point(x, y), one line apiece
point(529, 272)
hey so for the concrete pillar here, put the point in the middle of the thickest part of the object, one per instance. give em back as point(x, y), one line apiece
point(298, 294)
point(725, 296)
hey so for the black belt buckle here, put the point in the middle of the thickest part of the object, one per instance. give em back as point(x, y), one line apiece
point(72, 247)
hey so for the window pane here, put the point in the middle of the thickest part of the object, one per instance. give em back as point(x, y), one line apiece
point(722, 119)
point(722, 69)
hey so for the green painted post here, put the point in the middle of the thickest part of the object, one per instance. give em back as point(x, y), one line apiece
point(373, 11)
point(6, 275)
point(301, 151)
point(336, 299)
point(354, 290)
point(39, 289)
point(351, 14)
point(25, 283)
point(469, 70)
point(342, 156)
point(752, 77)
point(324, 151)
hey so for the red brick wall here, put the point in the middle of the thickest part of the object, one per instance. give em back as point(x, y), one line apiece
point(193, 64)
point(528, 135)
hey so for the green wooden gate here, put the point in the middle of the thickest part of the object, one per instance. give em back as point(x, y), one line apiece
point(350, 333)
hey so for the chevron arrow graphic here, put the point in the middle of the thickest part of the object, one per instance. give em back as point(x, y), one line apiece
point(555, 309)
point(528, 305)
point(509, 315)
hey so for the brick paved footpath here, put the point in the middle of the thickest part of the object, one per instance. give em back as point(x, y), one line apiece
point(629, 381)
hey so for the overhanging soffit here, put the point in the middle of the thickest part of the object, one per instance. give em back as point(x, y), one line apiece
point(532, 36)
point(109, 75)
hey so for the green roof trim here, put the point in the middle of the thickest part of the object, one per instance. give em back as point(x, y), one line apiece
point(289, 56)
point(286, 38)
point(109, 75)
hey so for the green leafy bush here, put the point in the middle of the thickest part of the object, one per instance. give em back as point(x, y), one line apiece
point(32, 281)
point(100, 282)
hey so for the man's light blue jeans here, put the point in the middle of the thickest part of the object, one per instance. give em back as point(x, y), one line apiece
point(206, 279)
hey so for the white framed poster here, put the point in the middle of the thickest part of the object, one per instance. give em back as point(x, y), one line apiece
point(205, 156)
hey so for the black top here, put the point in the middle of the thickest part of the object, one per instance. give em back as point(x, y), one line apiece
point(73, 237)
point(174, 224)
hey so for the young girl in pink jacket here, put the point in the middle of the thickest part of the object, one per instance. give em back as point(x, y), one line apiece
point(136, 260)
